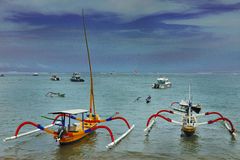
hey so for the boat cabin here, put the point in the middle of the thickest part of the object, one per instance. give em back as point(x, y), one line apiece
point(162, 80)
point(68, 115)
point(162, 83)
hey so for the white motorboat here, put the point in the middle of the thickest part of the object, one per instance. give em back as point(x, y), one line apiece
point(76, 78)
point(35, 74)
point(162, 83)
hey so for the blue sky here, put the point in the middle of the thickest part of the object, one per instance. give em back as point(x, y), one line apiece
point(124, 36)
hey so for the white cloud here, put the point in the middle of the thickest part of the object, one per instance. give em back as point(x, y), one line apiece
point(228, 1)
point(225, 23)
point(9, 65)
point(23, 66)
point(4, 65)
point(43, 66)
point(11, 26)
point(224, 19)
point(125, 9)
point(224, 28)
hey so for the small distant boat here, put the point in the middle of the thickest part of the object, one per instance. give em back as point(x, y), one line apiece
point(76, 78)
point(162, 83)
point(148, 99)
point(35, 74)
point(55, 78)
point(2, 75)
point(52, 94)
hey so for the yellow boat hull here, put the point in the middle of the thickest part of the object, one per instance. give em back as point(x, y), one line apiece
point(188, 130)
point(71, 139)
point(77, 134)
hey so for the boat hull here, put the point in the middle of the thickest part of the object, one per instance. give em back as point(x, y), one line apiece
point(68, 140)
point(73, 136)
point(188, 130)
point(161, 86)
point(77, 80)
point(55, 79)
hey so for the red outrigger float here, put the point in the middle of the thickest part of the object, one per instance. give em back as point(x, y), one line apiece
point(189, 114)
point(67, 133)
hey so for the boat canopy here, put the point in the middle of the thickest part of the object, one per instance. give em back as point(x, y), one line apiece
point(162, 80)
point(71, 111)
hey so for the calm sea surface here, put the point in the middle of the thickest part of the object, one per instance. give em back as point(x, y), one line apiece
point(22, 98)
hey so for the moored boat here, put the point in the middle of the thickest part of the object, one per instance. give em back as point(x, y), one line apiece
point(76, 77)
point(55, 78)
point(189, 118)
point(35, 74)
point(162, 83)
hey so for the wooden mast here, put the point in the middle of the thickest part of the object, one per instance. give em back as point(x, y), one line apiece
point(92, 103)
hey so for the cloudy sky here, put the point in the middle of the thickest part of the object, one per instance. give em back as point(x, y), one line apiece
point(124, 35)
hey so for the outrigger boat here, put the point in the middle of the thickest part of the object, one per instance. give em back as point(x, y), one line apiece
point(189, 116)
point(67, 133)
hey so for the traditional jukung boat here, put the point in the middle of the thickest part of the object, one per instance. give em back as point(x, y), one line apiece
point(189, 116)
point(85, 124)
point(68, 132)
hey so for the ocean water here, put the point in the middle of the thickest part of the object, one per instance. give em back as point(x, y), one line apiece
point(22, 98)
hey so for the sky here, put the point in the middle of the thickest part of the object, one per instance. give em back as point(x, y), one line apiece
point(123, 35)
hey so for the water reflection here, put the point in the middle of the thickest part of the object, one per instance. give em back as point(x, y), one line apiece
point(77, 150)
point(189, 144)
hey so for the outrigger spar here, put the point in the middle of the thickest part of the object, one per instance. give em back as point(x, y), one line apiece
point(66, 131)
point(189, 113)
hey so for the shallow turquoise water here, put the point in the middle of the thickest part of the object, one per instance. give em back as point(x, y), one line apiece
point(23, 98)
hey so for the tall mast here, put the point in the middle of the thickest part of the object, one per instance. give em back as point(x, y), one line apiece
point(91, 104)
point(189, 92)
point(189, 103)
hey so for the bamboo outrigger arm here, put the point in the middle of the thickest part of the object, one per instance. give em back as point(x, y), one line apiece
point(150, 123)
point(226, 121)
point(40, 127)
point(93, 121)
point(114, 141)
point(110, 145)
